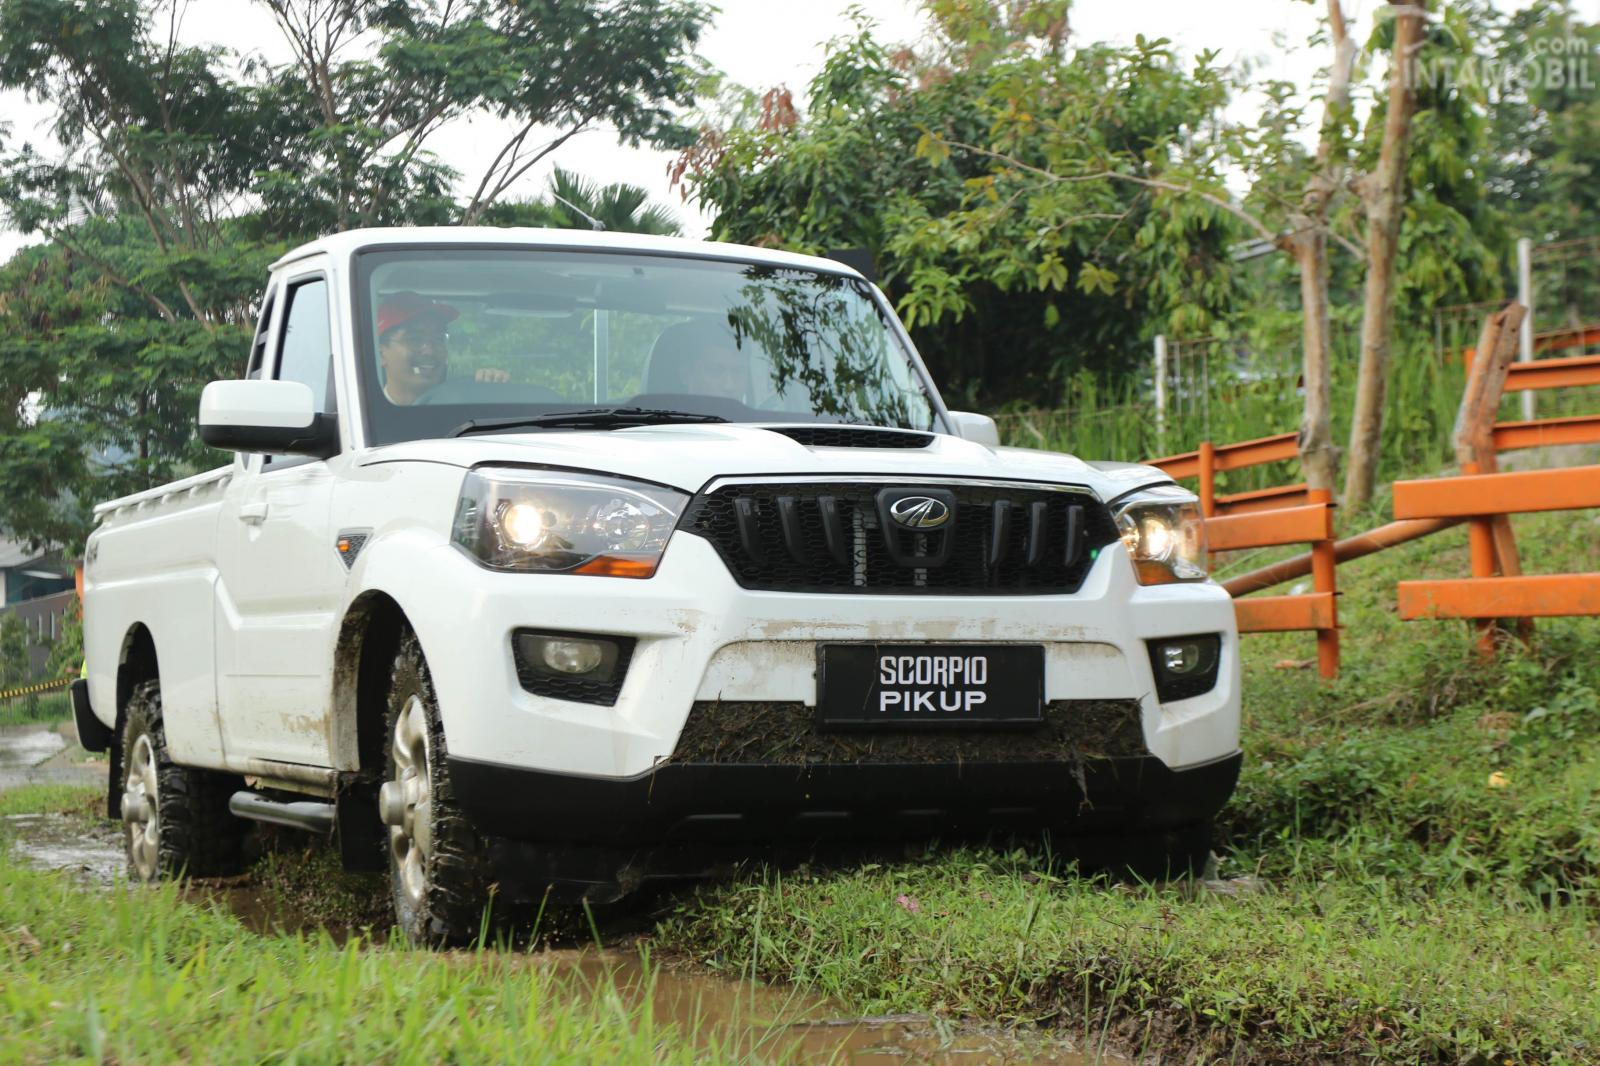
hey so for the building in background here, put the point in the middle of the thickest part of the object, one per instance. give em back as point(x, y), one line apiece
point(38, 587)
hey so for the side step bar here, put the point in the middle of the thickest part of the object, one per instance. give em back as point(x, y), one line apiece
point(301, 814)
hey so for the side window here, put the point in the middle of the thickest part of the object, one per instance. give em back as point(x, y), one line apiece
point(305, 347)
point(305, 351)
point(258, 347)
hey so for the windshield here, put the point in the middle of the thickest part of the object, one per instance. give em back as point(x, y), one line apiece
point(449, 336)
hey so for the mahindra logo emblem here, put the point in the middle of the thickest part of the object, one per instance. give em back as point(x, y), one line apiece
point(920, 512)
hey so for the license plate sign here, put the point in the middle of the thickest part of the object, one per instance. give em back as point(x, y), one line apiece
point(915, 686)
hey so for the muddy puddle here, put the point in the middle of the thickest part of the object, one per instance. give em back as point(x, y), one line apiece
point(743, 1017)
point(726, 1017)
point(31, 754)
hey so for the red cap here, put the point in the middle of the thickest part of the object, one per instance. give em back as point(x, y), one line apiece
point(402, 307)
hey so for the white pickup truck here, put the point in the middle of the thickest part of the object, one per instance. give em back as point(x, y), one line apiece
point(558, 561)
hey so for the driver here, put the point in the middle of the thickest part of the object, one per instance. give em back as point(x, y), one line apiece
point(412, 348)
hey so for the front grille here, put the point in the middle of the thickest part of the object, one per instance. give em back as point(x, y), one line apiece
point(853, 437)
point(1006, 539)
point(762, 733)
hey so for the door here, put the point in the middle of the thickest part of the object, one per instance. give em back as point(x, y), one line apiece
point(279, 584)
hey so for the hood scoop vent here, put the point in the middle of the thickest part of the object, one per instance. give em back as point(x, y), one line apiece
point(826, 436)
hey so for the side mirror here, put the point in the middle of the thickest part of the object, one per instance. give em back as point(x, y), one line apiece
point(980, 429)
point(272, 417)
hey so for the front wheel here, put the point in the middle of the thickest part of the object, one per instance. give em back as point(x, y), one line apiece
point(438, 863)
point(175, 818)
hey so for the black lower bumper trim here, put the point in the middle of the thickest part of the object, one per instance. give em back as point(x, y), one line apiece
point(718, 802)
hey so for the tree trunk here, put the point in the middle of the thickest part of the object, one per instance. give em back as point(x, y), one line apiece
point(1319, 458)
point(1382, 191)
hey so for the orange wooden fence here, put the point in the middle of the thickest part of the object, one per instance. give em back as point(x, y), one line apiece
point(1318, 610)
point(1289, 514)
point(1483, 499)
point(1209, 460)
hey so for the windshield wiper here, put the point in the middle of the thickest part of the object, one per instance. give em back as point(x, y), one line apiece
point(595, 418)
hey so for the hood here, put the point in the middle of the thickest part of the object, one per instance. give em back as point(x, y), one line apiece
point(688, 457)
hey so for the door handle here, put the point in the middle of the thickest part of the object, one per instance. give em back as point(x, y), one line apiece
point(253, 513)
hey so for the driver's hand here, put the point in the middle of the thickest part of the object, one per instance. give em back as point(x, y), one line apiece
point(492, 375)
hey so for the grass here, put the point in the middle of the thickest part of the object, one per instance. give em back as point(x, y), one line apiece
point(1421, 840)
point(1423, 836)
point(138, 974)
point(1308, 969)
point(78, 800)
point(38, 707)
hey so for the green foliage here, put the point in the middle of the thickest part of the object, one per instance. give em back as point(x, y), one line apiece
point(93, 410)
point(14, 670)
point(147, 286)
point(1544, 169)
point(1009, 286)
point(66, 653)
point(619, 207)
point(47, 707)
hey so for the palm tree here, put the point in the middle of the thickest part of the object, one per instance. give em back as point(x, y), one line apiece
point(619, 207)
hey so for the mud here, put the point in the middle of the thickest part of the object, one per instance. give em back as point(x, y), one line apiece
point(785, 734)
point(89, 849)
point(725, 1017)
point(744, 1018)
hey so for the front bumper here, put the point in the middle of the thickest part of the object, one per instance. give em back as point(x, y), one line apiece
point(684, 803)
point(702, 637)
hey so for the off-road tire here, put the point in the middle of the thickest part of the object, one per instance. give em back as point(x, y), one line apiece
point(453, 907)
point(196, 836)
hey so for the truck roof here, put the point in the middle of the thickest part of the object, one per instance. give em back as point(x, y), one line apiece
point(351, 241)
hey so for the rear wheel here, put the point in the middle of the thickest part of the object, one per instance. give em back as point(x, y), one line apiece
point(175, 818)
point(438, 862)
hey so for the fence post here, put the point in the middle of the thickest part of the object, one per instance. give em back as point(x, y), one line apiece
point(1161, 391)
point(1480, 547)
point(1525, 335)
point(1208, 479)
point(1324, 578)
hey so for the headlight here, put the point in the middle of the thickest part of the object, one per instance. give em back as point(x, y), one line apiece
point(1164, 534)
point(565, 523)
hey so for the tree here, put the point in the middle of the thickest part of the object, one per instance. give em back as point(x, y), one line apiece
point(1544, 166)
point(1307, 242)
point(931, 158)
point(14, 669)
point(1381, 192)
point(180, 175)
point(571, 200)
point(66, 653)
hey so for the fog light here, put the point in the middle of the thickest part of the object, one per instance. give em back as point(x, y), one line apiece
point(581, 667)
point(1180, 659)
point(571, 656)
point(1185, 667)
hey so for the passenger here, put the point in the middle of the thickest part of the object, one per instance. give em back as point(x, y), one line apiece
point(413, 349)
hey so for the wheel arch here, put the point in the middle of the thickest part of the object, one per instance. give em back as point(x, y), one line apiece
point(137, 662)
point(369, 637)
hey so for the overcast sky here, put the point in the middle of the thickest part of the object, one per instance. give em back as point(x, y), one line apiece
point(762, 43)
